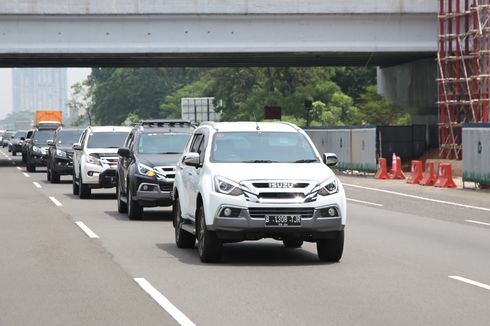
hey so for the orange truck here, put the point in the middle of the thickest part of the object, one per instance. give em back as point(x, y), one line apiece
point(48, 117)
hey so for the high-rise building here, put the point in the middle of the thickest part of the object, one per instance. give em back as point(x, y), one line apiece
point(40, 89)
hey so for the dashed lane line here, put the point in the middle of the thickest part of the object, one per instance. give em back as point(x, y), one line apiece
point(19, 168)
point(419, 197)
point(164, 302)
point(468, 281)
point(55, 201)
point(26, 175)
point(364, 202)
point(91, 234)
point(477, 222)
point(37, 185)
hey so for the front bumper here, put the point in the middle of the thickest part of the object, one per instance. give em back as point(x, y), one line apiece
point(97, 176)
point(151, 192)
point(39, 160)
point(16, 148)
point(62, 166)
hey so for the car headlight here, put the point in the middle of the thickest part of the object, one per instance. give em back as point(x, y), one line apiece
point(227, 187)
point(146, 170)
point(328, 187)
point(61, 153)
point(36, 149)
point(92, 160)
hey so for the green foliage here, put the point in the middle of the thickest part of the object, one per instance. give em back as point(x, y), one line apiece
point(377, 110)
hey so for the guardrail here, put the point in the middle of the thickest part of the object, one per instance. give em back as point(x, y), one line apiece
point(476, 153)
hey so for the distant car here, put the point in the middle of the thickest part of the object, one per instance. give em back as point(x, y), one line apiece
point(95, 158)
point(60, 153)
point(25, 144)
point(17, 141)
point(146, 167)
point(7, 136)
point(37, 149)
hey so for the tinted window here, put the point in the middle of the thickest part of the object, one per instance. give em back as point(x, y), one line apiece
point(42, 136)
point(162, 143)
point(106, 139)
point(258, 147)
point(68, 137)
point(20, 134)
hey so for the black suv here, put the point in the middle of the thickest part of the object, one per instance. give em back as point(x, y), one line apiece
point(19, 137)
point(146, 167)
point(25, 144)
point(37, 148)
point(60, 153)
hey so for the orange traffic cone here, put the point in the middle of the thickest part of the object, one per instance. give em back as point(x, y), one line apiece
point(393, 164)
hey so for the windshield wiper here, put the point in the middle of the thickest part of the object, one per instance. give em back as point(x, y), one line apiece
point(305, 161)
point(259, 161)
point(170, 153)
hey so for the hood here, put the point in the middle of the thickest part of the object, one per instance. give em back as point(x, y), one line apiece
point(65, 148)
point(102, 151)
point(159, 159)
point(273, 171)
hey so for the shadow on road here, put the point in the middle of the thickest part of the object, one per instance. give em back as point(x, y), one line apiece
point(248, 254)
point(148, 216)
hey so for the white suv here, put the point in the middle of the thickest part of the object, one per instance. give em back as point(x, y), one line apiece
point(95, 158)
point(247, 181)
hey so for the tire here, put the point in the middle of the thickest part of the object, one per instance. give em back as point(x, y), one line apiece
point(208, 244)
point(135, 211)
point(292, 243)
point(30, 167)
point(122, 207)
point(183, 239)
point(84, 190)
point(55, 177)
point(23, 158)
point(76, 188)
point(48, 174)
point(14, 153)
point(331, 249)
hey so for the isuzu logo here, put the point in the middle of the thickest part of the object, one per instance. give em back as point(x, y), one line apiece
point(281, 185)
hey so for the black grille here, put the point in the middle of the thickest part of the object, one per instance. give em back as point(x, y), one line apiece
point(262, 212)
point(166, 187)
point(281, 195)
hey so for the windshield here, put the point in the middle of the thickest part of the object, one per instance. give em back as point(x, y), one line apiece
point(162, 143)
point(68, 137)
point(107, 139)
point(20, 134)
point(42, 136)
point(262, 147)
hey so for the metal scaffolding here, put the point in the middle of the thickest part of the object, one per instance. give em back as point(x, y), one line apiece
point(464, 70)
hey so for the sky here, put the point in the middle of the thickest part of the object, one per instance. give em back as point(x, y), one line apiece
point(74, 75)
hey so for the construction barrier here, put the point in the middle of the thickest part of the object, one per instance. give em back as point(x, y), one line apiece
point(416, 173)
point(382, 173)
point(476, 153)
point(355, 146)
point(445, 176)
point(429, 177)
point(398, 174)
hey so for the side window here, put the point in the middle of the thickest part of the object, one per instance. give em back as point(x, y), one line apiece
point(196, 143)
point(82, 138)
point(202, 149)
point(130, 141)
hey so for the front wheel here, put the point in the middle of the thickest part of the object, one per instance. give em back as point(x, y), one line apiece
point(75, 186)
point(331, 249)
point(55, 177)
point(14, 153)
point(122, 207)
point(183, 239)
point(208, 244)
point(84, 190)
point(135, 210)
point(30, 167)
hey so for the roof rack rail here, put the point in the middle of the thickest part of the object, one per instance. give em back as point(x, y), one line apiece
point(164, 123)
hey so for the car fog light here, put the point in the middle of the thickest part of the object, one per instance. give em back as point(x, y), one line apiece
point(332, 212)
point(227, 211)
point(145, 188)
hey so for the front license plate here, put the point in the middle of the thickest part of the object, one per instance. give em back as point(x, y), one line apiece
point(283, 220)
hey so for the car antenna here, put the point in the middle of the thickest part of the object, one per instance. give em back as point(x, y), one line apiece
point(256, 122)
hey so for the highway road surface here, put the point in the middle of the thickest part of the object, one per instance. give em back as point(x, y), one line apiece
point(413, 256)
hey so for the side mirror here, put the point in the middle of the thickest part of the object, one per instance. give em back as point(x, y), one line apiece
point(77, 146)
point(330, 159)
point(50, 142)
point(124, 152)
point(191, 159)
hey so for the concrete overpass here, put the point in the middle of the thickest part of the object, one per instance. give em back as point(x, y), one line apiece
point(216, 32)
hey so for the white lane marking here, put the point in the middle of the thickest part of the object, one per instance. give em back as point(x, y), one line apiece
point(19, 168)
point(90, 233)
point(164, 302)
point(55, 201)
point(418, 197)
point(466, 280)
point(26, 175)
point(364, 202)
point(477, 222)
point(37, 185)
point(9, 158)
